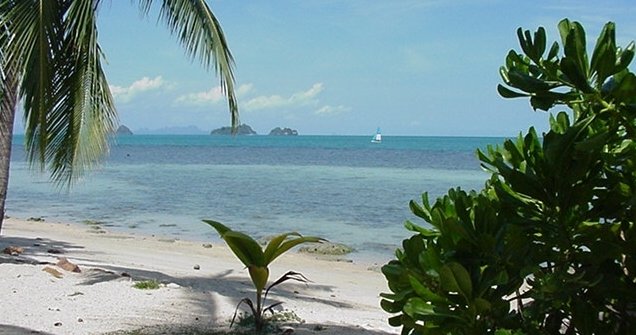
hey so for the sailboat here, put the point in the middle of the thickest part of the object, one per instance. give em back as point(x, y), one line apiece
point(377, 138)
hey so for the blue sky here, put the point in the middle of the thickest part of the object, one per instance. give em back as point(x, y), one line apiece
point(427, 67)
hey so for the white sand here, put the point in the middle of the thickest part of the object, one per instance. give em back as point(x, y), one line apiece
point(342, 299)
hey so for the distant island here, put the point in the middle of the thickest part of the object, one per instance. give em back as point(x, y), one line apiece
point(123, 130)
point(242, 130)
point(278, 131)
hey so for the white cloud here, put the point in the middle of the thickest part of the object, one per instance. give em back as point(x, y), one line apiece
point(211, 96)
point(332, 110)
point(243, 90)
point(145, 84)
point(309, 97)
point(303, 98)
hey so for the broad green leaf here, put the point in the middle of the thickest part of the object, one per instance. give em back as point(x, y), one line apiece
point(243, 246)
point(542, 102)
point(274, 243)
point(626, 88)
point(424, 292)
point(604, 55)
point(395, 321)
point(417, 306)
point(393, 269)
point(539, 43)
point(528, 83)
point(421, 230)
point(420, 211)
point(292, 243)
point(554, 51)
point(259, 275)
point(626, 57)
point(454, 277)
point(220, 228)
point(482, 305)
point(575, 76)
point(508, 93)
point(390, 307)
point(573, 36)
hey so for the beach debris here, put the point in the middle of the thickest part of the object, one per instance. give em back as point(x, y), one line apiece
point(80, 320)
point(93, 222)
point(207, 245)
point(173, 285)
point(36, 219)
point(96, 230)
point(55, 251)
point(326, 248)
point(197, 267)
point(287, 330)
point(53, 272)
point(67, 265)
point(125, 274)
point(75, 294)
point(13, 251)
point(58, 324)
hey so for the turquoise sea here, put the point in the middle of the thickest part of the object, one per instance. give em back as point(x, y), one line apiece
point(343, 188)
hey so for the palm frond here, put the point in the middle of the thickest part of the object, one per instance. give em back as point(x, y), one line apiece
point(33, 28)
point(84, 115)
point(201, 35)
point(69, 111)
point(8, 81)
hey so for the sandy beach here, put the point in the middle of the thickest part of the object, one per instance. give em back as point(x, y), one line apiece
point(201, 285)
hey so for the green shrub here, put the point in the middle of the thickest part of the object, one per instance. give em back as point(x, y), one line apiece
point(549, 245)
point(147, 284)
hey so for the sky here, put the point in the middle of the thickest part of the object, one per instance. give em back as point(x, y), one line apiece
point(341, 67)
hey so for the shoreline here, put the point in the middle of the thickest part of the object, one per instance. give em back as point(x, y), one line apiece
point(202, 284)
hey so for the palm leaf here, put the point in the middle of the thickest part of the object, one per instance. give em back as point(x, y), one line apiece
point(68, 107)
point(244, 247)
point(84, 115)
point(290, 275)
point(292, 243)
point(201, 35)
point(34, 27)
point(274, 243)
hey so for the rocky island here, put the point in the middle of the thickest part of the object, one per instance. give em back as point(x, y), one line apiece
point(242, 130)
point(123, 130)
point(278, 131)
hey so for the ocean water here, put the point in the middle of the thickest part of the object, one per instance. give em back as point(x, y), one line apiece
point(343, 188)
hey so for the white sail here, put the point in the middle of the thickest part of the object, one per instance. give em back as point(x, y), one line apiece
point(377, 138)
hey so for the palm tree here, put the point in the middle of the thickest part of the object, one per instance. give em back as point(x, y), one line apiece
point(51, 62)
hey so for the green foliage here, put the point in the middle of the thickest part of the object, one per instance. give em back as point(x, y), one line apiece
point(147, 285)
point(549, 245)
point(257, 261)
point(51, 57)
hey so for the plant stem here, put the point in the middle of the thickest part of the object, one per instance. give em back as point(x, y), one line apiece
point(258, 317)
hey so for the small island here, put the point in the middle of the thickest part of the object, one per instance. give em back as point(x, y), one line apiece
point(242, 130)
point(123, 130)
point(278, 131)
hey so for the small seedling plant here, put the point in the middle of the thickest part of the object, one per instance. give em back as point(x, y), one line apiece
point(257, 261)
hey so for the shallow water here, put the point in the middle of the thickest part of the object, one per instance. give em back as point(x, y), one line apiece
point(342, 188)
